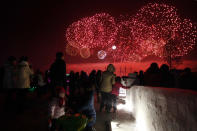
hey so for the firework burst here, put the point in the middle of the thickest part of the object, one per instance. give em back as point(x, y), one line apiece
point(91, 32)
point(85, 53)
point(156, 29)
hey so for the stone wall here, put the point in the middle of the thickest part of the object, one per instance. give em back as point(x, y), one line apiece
point(163, 109)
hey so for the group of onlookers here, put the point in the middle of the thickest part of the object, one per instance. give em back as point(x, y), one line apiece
point(16, 74)
point(74, 92)
point(109, 89)
point(163, 76)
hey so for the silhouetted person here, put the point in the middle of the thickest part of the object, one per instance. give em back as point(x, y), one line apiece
point(166, 77)
point(141, 78)
point(187, 80)
point(107, 81)
point(152, 75)
point(77, 76)
point(58, 71)
point(71, 83)
point(77, 79)
point(154, 68)
point(83, 76)
point(24, 73)
point(9, 77)
point(92, 76)
point(98, 84)
point(9, 82)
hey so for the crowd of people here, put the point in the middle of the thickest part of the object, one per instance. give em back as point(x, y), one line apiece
point(74, 92)
point(16, 75)
point(163, 76)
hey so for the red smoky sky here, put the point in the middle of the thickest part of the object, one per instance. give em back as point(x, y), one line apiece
point(36, 28)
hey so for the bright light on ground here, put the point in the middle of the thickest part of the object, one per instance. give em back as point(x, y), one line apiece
point(114, 125)
point(120, 106)
point(125, 107)
point(124, 120)
point(122, 126)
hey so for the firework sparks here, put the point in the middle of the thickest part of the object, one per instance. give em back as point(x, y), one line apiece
point(156, 29)
point(90, 32)
point(154, 24)
point(182, 42)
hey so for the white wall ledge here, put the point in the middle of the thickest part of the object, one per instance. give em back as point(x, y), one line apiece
point(163, 109)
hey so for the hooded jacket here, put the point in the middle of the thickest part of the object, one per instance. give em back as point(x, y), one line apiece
point(23, 75)
point(108, 79)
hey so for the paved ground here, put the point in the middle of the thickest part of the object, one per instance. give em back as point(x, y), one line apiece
point(121, 121)
point(34, 116)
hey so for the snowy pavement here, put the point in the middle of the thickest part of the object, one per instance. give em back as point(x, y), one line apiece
point(120, 121)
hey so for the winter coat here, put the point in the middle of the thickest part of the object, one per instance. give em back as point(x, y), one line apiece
point(107, 81)
point(55, 111)
point(116, 88)
point(23, 75)
point(58, 72)
point(9, 77)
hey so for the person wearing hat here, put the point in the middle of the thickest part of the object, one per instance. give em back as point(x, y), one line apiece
point(24, 73)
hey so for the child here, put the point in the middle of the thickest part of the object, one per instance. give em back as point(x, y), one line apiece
point(115, 92)
point(57, 107)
